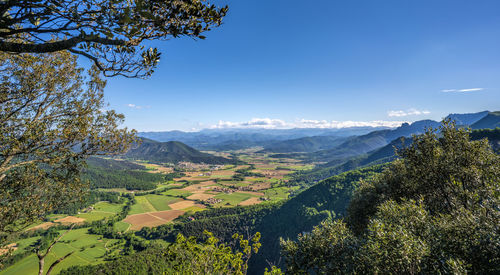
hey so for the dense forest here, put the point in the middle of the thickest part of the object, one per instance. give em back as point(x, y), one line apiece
point(128, 179)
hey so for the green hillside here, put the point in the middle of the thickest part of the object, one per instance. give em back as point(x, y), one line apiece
point(358, 145)
point(306, 144)
point(171, 152)
point(490, 121)
point(381, 155)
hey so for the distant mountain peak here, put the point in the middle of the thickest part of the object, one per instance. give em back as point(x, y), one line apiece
point(171, 152)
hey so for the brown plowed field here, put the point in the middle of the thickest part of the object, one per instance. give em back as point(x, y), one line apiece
point(200, 196)
point(44, 225)
point(199, 187)
point(152, 219)
point(70, 220)
point(168, 215)
point(181, 205)
point(250, 201)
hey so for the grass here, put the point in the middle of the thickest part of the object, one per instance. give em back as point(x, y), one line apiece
point(233, 199)
point(121, 226)
point(87, 248)
point(193, 209)
point(142, 205)
point(177, 192)
point(159, 202)
point(278, 193)
point(151, 203)
point(108, 207)
point(94, 216)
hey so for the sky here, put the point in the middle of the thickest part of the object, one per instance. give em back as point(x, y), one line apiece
point(322, 63)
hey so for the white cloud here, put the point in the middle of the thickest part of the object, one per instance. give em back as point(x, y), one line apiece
point(462, 90)
point(410, 112)
point(268, 123)
point(133, 106)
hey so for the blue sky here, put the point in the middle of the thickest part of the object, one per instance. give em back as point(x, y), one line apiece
point(282, 62)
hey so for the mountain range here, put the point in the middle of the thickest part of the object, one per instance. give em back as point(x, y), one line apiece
point(484, 125)
point(234, 139)
point(171, 152)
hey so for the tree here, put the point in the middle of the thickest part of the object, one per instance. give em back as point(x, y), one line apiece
point(184, 256)
point(434, 211)
point(110, 33)
point(442, 168)
point(51, 120)
point(41, 255)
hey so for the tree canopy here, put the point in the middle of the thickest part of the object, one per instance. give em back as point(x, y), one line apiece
point(111, 33)
point(434, 211)
point(52, 118)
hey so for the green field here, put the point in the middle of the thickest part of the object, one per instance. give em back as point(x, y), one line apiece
point(121, 226)
point(151, 203)
point(159, 202)
point(233, 199)
point(95, 215)
point(108, 207)
point(88, 249)
point(177, 192)
point(194, 209)
point(278, 193)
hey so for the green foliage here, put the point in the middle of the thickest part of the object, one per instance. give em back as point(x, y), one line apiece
point(174, 175)
point(183, 256)
point(443, 170)
point(51, 120)
point(436, 210)
point(89, 199)
point(128, 179)
point(109, 33)
point(332, 242)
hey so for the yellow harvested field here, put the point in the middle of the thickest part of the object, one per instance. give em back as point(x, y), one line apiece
point(223, 173)
point(252, 193)
point(250, 201)
point(44, 225)
point(70, 220)
point(168, 215)
point(201, 196)
point(152, 219)
point(199, 187)
point(182, 205)
point(261, 186)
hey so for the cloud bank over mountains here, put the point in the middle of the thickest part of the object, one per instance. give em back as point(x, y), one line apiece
point(270, 123)
point(410, 112)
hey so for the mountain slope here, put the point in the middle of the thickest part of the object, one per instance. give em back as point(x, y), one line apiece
point(233, 139)
point(171, 152)
point(490, 121)
point(356, 146)
point(381, 155)
point(466, 119)
point(305, 144)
